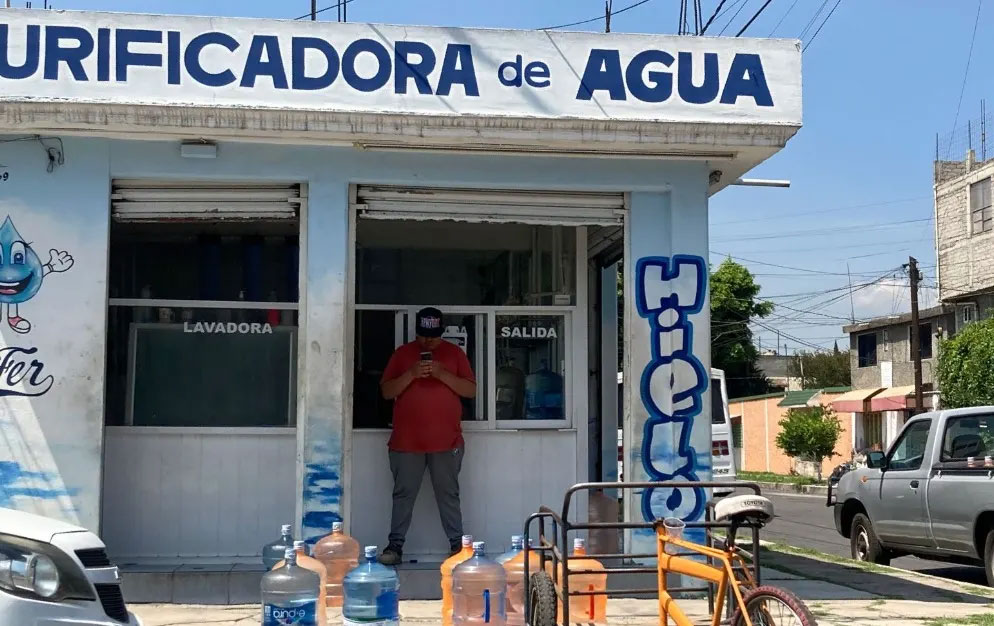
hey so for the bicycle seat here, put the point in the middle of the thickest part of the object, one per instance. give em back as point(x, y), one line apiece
point(746, 508)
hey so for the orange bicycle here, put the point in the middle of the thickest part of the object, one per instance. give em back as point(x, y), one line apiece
point(724, 567)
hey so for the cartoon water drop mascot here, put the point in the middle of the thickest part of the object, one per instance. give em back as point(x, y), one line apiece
point(21, 273)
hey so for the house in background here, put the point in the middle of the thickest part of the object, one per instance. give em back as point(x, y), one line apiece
point(756, 423)
point(777, 369)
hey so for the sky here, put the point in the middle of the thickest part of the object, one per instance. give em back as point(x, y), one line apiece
point(881, 79)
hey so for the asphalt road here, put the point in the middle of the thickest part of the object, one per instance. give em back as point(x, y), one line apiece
point(805, 522)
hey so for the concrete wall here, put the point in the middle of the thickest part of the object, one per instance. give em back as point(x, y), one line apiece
point(761, 425)
point(966, 261)
point(897, 351)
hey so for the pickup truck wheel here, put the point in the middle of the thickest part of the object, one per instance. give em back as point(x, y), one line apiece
point(989, 558)
point(864, 543)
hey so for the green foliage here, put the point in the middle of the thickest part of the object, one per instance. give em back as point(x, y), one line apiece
point(966, 366)
point(733, 305)
point(809, 433)
point(818, 370)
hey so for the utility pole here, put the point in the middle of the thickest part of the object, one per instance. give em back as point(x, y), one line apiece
point(314, 10)
point(852, 307)
point(607, 16)
point(916, 353)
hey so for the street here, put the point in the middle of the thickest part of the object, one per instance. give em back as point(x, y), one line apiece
point(804, 521)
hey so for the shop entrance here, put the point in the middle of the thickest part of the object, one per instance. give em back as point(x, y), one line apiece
point(201, 369)
point(509, 270)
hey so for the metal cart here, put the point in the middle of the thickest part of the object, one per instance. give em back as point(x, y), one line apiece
point(554, 547)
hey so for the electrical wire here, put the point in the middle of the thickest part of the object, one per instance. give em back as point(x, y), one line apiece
point(783, 17)
point(340, 3)
point(825, 21)
point(729, 22)
point(966, 75)
point(713, 16)
point(820, 211)
point(753, 19)
point(828, 231)
point(596, 19)
point(814, 18)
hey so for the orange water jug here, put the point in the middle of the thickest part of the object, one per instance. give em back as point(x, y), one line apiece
point(590, 608)
point(447, 566)
point(339, 554)
point(310, 563)
point(514, 570)
point(479, 585)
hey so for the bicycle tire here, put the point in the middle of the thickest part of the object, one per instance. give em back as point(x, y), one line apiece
point(543, 600)
point(800, 612)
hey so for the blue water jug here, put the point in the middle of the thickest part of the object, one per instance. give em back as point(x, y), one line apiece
point(372, 594)
point(290, 594)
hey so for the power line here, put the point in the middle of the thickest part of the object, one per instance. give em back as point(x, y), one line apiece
point(713, 15)
point(814, 18)
point(819, 211)
point(825, 21)
point(339, 4)
point(729, 22)
point(966, 75)
point(753, 19)
point(598, 18)
point(828, 231)
point(783, 17)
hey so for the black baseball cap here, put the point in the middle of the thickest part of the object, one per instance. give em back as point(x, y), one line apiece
point(429, 322)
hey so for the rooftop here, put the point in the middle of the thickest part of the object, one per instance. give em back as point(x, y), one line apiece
point(895, 320)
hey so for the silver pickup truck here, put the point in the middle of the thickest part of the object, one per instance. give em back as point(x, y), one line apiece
point(931, 495)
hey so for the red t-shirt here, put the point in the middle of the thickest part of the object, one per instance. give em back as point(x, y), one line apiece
point(427, 416)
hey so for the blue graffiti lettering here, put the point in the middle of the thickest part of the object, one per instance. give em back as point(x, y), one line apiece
point(667, 291)
point(16, 482)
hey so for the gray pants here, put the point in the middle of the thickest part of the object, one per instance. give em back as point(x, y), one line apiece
point(408, 469)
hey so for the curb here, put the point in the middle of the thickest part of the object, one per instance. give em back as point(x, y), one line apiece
point(814, 490)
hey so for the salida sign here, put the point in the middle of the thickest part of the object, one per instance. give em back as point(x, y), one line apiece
point(167, 60)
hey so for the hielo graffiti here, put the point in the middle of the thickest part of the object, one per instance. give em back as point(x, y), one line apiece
point(668, 290)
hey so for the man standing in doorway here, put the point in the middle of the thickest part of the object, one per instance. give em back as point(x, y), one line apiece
point(426, 379)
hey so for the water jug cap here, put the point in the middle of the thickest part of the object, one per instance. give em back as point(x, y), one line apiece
point(479, 546)
point(337, 527)
point(370, 552)
point(290, 555)
point(517, 539)
point(579, 543)
point(285, 529)
point(300, 546)
point(467, 540)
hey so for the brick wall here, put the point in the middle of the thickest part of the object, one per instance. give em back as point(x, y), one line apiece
point(760, 426)
point(966, 261)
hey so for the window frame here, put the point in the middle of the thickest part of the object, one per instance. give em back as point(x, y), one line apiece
point(859, 353)
point(986, 223)
point(921, 345)
point(945, 434)
point(904, 435)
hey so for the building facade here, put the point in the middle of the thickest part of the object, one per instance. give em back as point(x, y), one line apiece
point(217, 231)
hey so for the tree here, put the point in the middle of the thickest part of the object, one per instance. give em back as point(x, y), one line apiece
point(733, 306)
point(822, 369)
point(966, 366)
point(809, 434)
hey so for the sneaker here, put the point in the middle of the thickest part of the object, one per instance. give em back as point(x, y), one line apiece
point(391, 556)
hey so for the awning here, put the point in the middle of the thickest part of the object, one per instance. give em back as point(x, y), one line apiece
point(855, 401)
point(893, 399)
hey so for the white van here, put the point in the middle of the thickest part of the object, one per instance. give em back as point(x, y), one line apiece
point(722, 448)
point(722, 459)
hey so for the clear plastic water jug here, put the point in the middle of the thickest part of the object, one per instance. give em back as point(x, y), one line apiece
point(447, 566)
point(272, 553)
point(290, 594)
point(372, 593)
point(514, 570)
point(590, 608)
point(517, 545)
point(340, 554)
point(479, 586)
point(313, 565)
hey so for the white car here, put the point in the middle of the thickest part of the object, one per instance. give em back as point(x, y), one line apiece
point(54, 573)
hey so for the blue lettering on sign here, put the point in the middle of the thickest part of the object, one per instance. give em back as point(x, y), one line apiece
point(301, 614)
point(667, 291)
point(745, 78)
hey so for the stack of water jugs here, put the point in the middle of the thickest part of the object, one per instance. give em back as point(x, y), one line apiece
point(299, 588)
point(475, 589)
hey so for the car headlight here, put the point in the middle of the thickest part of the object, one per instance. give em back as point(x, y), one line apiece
point(40, 571)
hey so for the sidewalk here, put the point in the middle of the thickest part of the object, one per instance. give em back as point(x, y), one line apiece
point(839, 593)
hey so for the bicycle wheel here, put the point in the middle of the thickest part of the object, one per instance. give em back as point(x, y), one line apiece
point(772, 606)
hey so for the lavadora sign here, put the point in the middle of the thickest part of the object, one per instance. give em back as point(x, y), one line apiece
point(181, 60)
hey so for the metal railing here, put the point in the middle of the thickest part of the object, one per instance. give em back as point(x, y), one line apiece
point(556, 549)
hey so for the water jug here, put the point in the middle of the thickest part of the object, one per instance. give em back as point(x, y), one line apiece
point(290, 594)
point(479, 586)
point(340, 554)
point(514, 570)
point(372, 594)
point(273, 553)
point(311, 564)
point(447, 566)
point(586, 609)
point(517, 545)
